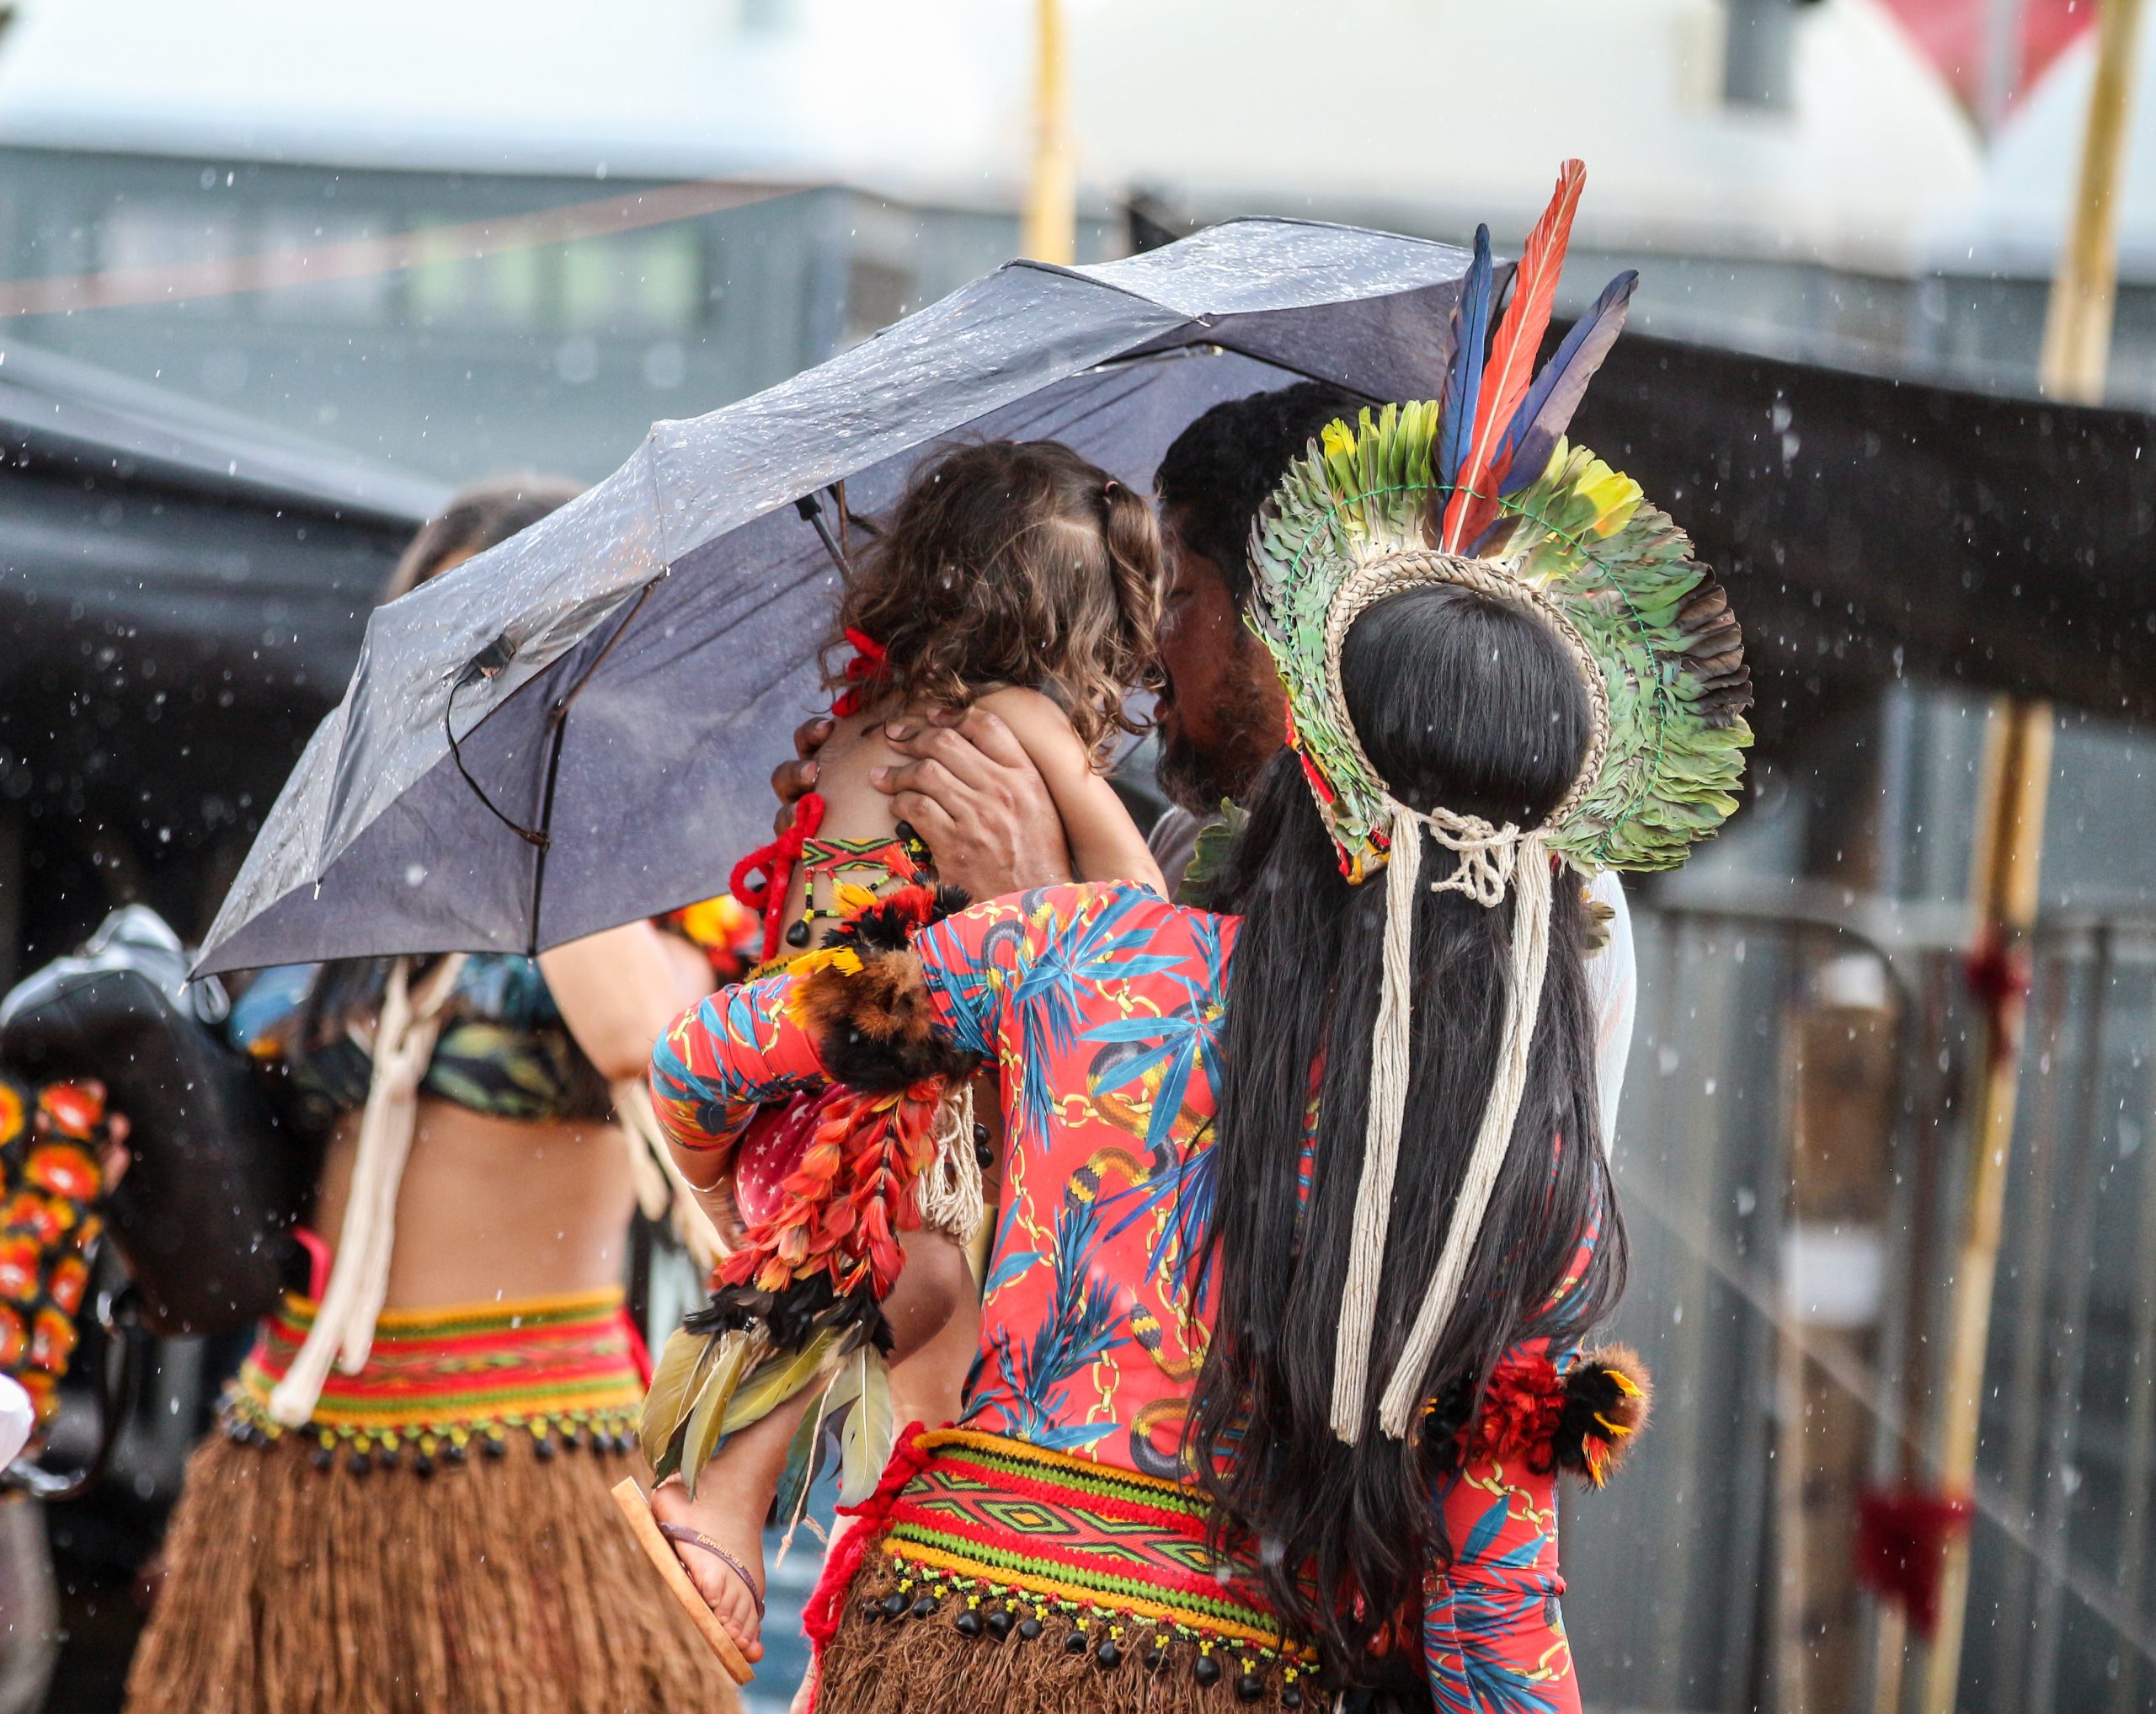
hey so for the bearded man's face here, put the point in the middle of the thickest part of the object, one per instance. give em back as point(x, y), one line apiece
point(1223, 712)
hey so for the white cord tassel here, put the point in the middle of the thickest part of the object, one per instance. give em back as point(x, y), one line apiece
point(662, 1192)
point(1523, 1005)
point(1390, 1067)
point(949, 1193)
point(359, 1279)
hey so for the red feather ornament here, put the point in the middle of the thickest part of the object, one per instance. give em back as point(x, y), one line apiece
point(1511, 367)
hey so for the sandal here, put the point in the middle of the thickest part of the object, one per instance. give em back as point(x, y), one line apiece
point(657, 1540)
point(696, 1538)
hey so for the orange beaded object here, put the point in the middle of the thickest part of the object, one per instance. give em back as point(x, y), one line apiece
point(72, 1110)
point(52, 1181)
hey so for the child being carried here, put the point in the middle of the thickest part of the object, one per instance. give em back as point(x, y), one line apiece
point(1021, 579)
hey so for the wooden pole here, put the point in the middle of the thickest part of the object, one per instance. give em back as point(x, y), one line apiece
point(2003, 886)
point(2003, 880)
point(2078, 326)
point(1048, 230)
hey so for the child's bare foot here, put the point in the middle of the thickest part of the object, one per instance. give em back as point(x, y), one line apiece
point(721, 1546)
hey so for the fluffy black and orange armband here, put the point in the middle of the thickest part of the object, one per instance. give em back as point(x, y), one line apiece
point(1584, 1421)
point(1608, 1396)
point(864, 999)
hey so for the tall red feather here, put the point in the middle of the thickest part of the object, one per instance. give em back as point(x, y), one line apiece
point(1511, 367)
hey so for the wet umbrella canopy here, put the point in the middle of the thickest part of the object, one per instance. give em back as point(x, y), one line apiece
point(621, 678)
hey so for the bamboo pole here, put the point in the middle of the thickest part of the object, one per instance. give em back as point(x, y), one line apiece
point(1048, 229)
point(2003, 880)
point(2077, 325)
point(2003, 885)
point(2010, 837)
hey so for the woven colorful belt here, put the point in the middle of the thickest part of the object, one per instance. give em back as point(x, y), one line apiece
point(1104, 1560)
point(437, 1382)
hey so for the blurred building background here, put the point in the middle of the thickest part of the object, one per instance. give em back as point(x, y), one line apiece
point(271, 277)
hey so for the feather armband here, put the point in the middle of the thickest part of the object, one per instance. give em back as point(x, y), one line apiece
point(1584, 1421)
point(799, 1304)
point(863, 997)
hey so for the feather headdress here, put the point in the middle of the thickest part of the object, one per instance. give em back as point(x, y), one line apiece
point(1482, 489)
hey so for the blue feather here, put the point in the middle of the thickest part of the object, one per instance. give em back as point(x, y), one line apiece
point(1471, 326)
point(1546, 411)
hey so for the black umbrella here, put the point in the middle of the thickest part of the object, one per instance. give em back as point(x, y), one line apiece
point(620, 679)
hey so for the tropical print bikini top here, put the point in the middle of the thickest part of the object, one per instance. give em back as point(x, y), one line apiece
point(503, 1050)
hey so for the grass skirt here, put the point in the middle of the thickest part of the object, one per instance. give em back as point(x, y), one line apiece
point(500, 1581)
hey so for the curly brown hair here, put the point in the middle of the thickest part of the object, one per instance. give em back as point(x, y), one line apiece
point(1011, 563)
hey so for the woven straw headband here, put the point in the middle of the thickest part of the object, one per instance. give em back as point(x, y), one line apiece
point(1392, 573)
point(1492, 860)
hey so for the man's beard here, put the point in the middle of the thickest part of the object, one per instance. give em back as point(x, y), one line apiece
point(1199, 781)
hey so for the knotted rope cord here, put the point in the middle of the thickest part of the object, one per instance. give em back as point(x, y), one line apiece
point(1531, 892)
point(1488, 855)
point(1491, 860)
point(949, 1194)
point(358, 1280)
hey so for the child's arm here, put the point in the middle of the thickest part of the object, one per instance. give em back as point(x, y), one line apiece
point(1105, 842)
point(715, 1064)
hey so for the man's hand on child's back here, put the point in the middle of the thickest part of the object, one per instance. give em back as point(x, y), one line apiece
point(971, 791)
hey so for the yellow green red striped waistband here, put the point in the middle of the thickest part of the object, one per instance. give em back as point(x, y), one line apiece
point(998, 1526)
point(565, 1370)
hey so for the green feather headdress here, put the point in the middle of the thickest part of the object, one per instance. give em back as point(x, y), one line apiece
point(1482, 489)
point(1657, 623)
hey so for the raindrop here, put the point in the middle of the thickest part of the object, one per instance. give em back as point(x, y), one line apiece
point(576, 359)
point(664, 366)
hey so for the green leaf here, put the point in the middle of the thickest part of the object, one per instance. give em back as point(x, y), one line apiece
point(777, 1380)
point(803, 1462)
point(1209, 856)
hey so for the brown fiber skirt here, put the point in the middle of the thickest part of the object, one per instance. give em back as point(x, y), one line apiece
point(1002, 1575)
point(502, 1585)
point(928, 1665)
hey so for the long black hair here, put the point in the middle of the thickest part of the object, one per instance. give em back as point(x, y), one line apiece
point(1470, 702)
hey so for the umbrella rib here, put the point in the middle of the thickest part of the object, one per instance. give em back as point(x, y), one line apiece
point(557, 720)
point(1293, 369)
point(529, 835)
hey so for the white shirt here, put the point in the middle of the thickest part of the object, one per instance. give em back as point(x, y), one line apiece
point(1612, 978)
point(18, 1418)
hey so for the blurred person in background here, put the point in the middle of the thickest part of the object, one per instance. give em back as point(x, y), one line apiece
point(430, 1527)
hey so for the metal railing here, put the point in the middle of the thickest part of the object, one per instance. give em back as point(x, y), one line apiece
point(1718, 1572)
